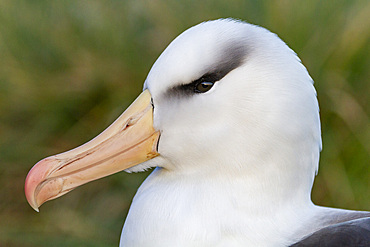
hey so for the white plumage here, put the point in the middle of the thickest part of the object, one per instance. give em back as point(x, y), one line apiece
point(237, 163)
point(229, 118)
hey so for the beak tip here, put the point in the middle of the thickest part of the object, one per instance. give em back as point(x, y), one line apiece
point(34, 207)
point(29, 191)
point(34, 177)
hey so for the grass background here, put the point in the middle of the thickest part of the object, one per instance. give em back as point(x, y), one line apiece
point(69, 68)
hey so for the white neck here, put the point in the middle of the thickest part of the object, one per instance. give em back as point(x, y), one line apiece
point(201, 210)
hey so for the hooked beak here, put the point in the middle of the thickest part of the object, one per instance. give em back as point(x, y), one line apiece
point(129, 141)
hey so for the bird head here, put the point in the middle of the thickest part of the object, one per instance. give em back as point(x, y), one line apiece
point(224, 97)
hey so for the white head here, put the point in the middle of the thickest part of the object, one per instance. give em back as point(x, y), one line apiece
point(261, 115)
point(229, 98)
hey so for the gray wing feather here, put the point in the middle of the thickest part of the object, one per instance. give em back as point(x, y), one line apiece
point(350, 233)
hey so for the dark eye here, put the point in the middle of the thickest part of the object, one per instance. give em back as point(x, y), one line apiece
point(203, 87)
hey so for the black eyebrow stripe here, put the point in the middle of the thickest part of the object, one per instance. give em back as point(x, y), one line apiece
point(231, 58)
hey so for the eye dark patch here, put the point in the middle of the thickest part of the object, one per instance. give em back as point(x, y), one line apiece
point(231, 58)
point(188, 89)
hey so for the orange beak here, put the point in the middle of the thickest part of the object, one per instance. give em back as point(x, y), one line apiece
point(129, 141)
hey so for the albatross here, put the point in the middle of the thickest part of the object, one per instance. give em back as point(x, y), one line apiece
point(229, 119)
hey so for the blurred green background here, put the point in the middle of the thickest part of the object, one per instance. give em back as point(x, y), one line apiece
point(69, 68)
